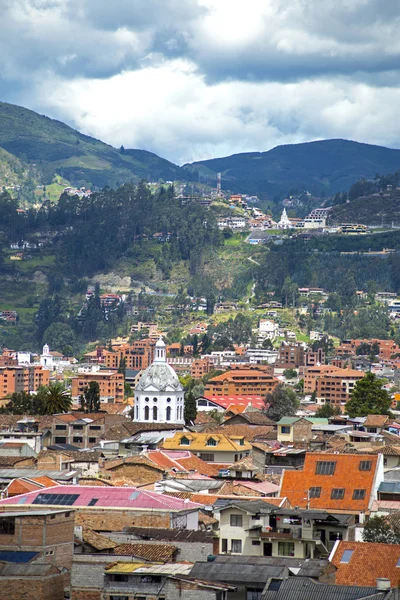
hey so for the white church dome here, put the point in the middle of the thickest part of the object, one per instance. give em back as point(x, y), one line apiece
point(159, 376)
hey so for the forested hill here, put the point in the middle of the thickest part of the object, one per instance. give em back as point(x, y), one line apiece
point(328, 166)
point(56, 148)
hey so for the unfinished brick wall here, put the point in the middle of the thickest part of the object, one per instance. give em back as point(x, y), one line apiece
point(302, 430)
point(30, 588)
point(135, 472)
point(116, 520)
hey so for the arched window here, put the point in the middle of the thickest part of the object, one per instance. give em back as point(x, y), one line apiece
point(168, 413)
point(137, 412)
point(146, 413)
point(155, 411)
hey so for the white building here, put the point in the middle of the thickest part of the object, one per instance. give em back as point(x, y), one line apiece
point(159, 396)
point(268, 329)
point(284, 223)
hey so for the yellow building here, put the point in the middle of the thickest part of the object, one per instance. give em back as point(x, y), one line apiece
point(210, 447)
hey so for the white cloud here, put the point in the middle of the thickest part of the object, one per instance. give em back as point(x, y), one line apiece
point(192, 79)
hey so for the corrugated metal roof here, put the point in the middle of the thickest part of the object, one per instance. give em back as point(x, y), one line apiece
point(231, 573)
point(153, 569)
point(303, 588)
point(9, 474)
point(115, 497)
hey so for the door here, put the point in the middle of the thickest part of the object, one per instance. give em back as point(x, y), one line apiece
point(267, 548)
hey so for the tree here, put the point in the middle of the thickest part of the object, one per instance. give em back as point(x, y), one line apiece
point(282, 402)
point(190, 412)
point(327, 410)
point(380, 531)
point(267, 344)
point(290, 373)
point(59, 335)
point(127, 390)
point(54, 399)
point(90, 401)
point(368, 398)
point(22, 403)
point(122, 366)
point(217, 416)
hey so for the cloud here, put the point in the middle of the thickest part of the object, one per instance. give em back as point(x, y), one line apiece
point(191, 79)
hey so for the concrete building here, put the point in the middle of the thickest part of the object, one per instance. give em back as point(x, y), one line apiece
point(241, 382)
point(21, 379)
point(111, 385)
point(159, 396)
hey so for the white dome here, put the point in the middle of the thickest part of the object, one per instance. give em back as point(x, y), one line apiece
point(160, 376)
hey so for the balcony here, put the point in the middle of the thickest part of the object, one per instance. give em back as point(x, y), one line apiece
point(295, 533)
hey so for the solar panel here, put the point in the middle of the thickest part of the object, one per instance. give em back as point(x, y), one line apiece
point(56, 499)
point(93, 501)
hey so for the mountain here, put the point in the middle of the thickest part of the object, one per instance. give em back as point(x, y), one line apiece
point(55, 148)
point(326, 166)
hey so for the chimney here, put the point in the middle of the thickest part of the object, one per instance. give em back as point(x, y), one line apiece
point(382, 585)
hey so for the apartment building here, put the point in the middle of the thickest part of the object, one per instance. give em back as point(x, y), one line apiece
point(201, 367)
point(290, 356)
point(239, 382)
point(21, 379)
point(111, 385)
point(336, 388)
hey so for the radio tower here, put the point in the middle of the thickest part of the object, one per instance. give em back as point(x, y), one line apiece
point(218, 184)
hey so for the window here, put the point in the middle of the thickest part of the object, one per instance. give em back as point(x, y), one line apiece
point(61, 427)
point(314, 492)
point(211, 442)
point(77, 439)
point(365, 465)
point(49, 552)
point(93, 501)
point(358, 494)
point(274, 585)
point(256, 543)
point(398, 563)
point(77, 427)
point(7, 526)
point(92, 440)
point(236, 521)
point(325, 467)
point(185, 441)
point(346, 556)
point(146, 413)
point(95, 427)
point(168, 413)
point(114, 597)
point(155, 413)
point(236, 546)
point(207, 457)
point(286, 549)
point(285, 429)
point(337, 494)
point(335, 535)
point(224, 545)
point(60, 440)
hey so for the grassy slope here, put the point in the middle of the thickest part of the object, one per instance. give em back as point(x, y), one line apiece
point(370, 211)
point(57, 148)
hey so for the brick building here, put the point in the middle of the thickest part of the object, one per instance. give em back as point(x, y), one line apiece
point(201, 367)
point(290, 356)
point(34, 580)
point(104, 508)
point(81, 429)
point(336, 388)
point(22, 379)
point(241, 382)
point(111, 385)
point(386, 347)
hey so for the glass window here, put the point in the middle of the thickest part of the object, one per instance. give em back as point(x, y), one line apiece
point(335, 535)
point(211, 442)
point(155, 413)
point(60, 440)
point(285, 429)
point(61, 427)
point(146, 413)
point(168, 413)
point(184, 441)
point(337, 494)
point(236, 521)
point(236, 546)
point(325, 467)
point(77, 439)
point(286, 548)
point(346, 556)
point(365, 465)
point(224, 545)
point(253, 594)
point(358, 494)
point(207, 457)
point(314, 492)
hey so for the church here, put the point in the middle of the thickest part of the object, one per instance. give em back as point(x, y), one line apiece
point(159, 395)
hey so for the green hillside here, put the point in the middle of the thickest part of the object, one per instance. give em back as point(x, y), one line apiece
point(56, 148)
point(326, 166)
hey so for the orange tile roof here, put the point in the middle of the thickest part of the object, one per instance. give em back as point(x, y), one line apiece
point(367, 563)
point(152, 552)
point(22, 486)
point(235, 373)
point(347, 476)
point(191, 462)
point(376, 420)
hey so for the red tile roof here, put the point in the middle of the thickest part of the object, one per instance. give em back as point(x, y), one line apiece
point(367, 563)
point(183, 461)
point(152, 552)
point(347, 476)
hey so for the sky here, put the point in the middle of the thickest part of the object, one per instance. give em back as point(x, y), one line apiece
point(196, 79)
